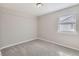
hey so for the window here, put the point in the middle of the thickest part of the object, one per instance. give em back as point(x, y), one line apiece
point(67, 23)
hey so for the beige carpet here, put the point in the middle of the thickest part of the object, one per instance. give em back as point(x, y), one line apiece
point(38, 48)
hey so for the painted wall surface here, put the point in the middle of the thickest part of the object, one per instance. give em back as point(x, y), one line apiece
point(0, 29)
point(48, 25)
point(16, 27)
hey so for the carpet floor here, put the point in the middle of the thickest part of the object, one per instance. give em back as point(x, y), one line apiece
point(38, 48)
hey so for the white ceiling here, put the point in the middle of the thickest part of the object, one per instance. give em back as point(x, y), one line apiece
point(32, 9)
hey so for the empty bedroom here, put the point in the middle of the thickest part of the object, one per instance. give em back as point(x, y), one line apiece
point(39, 29)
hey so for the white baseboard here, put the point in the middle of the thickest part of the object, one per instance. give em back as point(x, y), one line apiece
point(59, 44)
point(17, 43)
point(40, 39)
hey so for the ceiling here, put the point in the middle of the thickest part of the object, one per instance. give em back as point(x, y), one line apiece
point(32, 9)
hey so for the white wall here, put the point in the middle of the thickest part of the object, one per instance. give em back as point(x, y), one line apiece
point(0, 29)
point(16, 27)
point(48, 28)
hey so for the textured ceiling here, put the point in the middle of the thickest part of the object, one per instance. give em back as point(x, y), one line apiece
point(33, 10)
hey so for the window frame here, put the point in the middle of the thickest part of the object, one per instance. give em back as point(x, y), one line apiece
point(66, 22)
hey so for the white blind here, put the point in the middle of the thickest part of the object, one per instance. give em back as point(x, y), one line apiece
point(67, 23)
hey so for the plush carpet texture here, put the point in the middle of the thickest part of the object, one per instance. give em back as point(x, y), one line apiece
point(39, 48)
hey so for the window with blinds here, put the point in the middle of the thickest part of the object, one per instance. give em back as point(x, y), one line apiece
point(67, 23)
